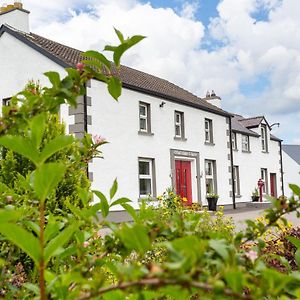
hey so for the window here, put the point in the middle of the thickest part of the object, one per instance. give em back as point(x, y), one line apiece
point(210, 177)
point(146, 177)
point(179, 125)
point(6, 101)
point(264, 177)
point(234, 141)
point(236, 180)
point(208, 131)
point(264, 141)
point(245, 143)
point(144, 113)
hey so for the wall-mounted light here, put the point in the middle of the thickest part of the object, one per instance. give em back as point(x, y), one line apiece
point(277, 124)
point(162, 104)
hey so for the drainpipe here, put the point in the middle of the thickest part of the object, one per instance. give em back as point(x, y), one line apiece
point(281, 168)
point(231, 164)
point(85, 120)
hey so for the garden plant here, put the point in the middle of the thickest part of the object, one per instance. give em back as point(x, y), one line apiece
point(50, 228)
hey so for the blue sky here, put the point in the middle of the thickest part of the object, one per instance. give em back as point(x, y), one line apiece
point(248, 51)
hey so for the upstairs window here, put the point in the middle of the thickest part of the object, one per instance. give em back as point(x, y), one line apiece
point(245, 143)
point(6, 101)
point(233, 141)
point(144, 116)
point(146, 177)
point(208, 131)
point(264, 140)
point(179, 125)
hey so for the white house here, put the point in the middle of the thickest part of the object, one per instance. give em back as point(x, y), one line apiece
point(291, 166)
point(160, 134)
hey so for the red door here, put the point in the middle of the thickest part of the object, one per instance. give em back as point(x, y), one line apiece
point(273, 184)
point(184, 180)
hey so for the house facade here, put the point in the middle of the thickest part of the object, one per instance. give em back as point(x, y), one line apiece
point(291, 166)
point(159, 134)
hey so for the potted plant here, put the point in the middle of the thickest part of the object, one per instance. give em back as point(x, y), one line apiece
point(212, 200)
point(255, 195)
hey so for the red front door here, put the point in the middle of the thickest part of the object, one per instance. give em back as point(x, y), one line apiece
point(184, 180)
point(273, 184)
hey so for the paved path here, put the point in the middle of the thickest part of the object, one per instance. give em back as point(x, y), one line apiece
point(241, 214)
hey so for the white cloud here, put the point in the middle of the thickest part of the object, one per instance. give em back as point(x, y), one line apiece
point(246, 50)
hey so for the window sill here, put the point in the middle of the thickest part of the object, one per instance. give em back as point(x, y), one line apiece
point(246, 151)
point(236, 150)
point(209, 143)
point(145, 133)
point(238, 196)
point(147, 198)
point(177, 138)
point(266, 152)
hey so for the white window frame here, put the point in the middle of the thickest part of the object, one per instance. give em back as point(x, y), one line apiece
point(145, 117)
point(236, 180)
point(245, 143)
point(234, 140)
point(179, 124)
point(211, 176)
point(208, 127)
point(264, 177)
point(149, 176)
point(264, 141)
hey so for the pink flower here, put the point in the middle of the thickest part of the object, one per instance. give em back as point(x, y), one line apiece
point(98, 139)
point(252, 255)
point(80, 67)
point(86, 244)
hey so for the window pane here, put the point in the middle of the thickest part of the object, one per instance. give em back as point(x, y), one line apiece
point(145, 186)
point(142, 110)
point(177, 118)
point(177, 130)
point(209, 186)
point(143, 124)
point(208, 168)
point(144, 168)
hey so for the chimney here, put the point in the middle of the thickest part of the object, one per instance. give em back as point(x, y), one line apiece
point(213, 99)
point(15, 16)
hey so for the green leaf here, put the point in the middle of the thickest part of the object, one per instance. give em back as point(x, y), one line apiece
point(297, 257)
point(113, 189)
point(295, 188)
point(51, 230)
point(37, 127)
point(135, 237)
point(54, 78)
point(120, 201)
point(294, 241)
point(103, 203)
point(114, 87)
point(21, 146)
point(235, 280)
point(47, 177)
point(55, 145)
point(9, 215)
point(98, 56)
point(220, 247)
point(25, 240)
point(119, 34)
point(59, 241)
point(131, 211)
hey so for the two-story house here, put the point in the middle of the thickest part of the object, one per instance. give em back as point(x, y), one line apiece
point(160, 134)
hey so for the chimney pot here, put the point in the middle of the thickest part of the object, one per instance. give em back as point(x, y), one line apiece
point(207, 94)
point(213, 94)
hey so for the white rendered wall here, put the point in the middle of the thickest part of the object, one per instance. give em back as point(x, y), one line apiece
point(250, 164)
point(17, 19)
point(118, 122)
point(19, 64)
point(291, 173)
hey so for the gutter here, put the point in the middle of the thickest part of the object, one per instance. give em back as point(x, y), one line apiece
point(231, 165)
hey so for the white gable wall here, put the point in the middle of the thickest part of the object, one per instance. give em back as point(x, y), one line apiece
point(291, 173)
point(18, 64)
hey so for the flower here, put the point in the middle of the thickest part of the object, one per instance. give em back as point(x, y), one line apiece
point(86, 244)
point(98, 139)
point(252, 255)
point(184, 199)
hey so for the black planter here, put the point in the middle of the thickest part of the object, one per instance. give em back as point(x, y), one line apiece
point(255, 198)
point(212, 203)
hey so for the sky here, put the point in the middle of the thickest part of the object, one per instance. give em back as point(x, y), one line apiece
point(247, 51)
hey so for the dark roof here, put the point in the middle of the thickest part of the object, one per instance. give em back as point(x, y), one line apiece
point(238, 126)
point(293, 151)
point(131, 78)
point(251, 122)
point(275, 138)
